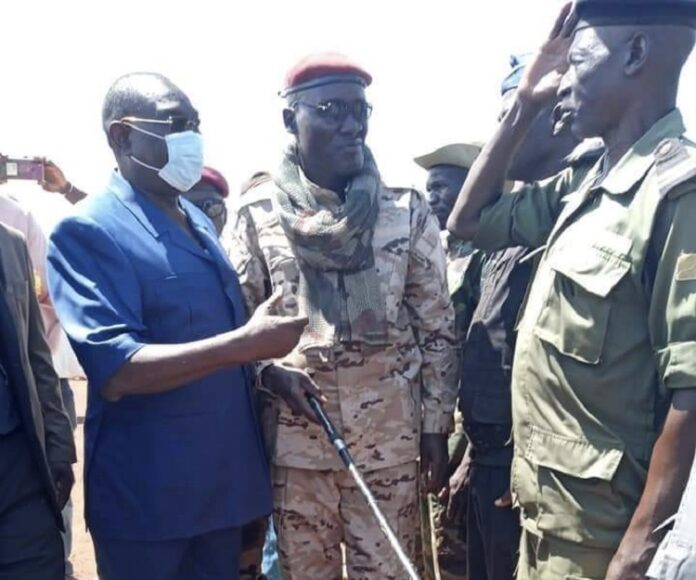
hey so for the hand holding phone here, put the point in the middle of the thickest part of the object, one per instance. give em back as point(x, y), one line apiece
point(32, 169)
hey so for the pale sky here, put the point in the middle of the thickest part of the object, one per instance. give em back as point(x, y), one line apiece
point(437, 67)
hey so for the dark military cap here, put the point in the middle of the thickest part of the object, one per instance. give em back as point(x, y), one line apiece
point(640, 12)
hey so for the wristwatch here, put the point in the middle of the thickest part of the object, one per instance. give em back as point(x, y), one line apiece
point(68, 189)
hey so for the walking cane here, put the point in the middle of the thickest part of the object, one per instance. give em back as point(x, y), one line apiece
point(342, 449)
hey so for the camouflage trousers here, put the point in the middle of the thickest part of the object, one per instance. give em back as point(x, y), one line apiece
point(316, 512)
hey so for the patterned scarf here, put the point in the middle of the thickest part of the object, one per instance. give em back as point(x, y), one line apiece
point(339, 288)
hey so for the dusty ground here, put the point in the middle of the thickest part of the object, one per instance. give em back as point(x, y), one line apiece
point(83, 554)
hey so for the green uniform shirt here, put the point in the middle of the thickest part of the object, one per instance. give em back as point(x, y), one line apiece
point(609, 326)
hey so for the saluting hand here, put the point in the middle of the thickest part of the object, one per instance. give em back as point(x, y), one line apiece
point(274, 336)
point(542, 77)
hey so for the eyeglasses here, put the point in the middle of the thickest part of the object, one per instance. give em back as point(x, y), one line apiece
point(337, 111)
point(213, 208)
point(177, 124)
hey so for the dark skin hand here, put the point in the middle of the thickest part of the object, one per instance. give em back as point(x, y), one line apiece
point(63, 480)
point(293, 386)
point(455, 494)
point(55, 182)
point(668, 473)
point(434, 460)
point(538, 88)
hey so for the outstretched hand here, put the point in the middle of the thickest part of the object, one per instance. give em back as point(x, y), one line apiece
point(274, 336)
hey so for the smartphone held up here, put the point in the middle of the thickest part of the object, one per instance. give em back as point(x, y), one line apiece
point(21, 168)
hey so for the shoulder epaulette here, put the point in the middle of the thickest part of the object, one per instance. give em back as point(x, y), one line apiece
point(675, 162)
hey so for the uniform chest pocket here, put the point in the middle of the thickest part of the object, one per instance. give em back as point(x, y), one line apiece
point(575, 317)
point(186, 306)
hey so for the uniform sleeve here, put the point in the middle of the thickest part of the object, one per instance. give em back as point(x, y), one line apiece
point(432, 317)
point(526, 216)
point(673, 303)
point(96, 294)
point(241, 243)
point(60, 445)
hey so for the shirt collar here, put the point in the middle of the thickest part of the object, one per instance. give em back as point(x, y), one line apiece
point(148, 214)
point(640, 158)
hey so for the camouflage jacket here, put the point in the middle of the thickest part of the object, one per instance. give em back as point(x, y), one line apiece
point(380, 399)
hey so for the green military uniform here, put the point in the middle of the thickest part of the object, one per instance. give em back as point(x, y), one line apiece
point(608, 330)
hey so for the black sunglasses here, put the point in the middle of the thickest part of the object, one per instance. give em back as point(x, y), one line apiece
point(337, 111)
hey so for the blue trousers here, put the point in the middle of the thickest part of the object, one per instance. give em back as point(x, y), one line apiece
point(211, 556)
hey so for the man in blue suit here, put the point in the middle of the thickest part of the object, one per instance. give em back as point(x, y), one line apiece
point(174, 460)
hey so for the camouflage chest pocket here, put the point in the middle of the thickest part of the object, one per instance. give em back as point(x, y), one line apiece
point(575, 317)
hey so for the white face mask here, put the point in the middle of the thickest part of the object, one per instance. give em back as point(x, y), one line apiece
point(184, 166)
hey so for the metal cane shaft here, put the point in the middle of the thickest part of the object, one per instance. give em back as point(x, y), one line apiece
point(345, 456)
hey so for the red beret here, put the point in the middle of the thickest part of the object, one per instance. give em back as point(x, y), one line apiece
point(321, 69)
point(215, 178)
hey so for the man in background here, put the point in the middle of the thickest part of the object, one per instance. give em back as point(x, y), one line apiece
point(21, 216)
point(36, 442)
point(210, 195)
point(444, 541)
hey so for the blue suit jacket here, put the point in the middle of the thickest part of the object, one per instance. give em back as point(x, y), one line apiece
point(122, 275)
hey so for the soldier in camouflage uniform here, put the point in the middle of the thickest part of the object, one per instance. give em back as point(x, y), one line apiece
point(365, 263)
